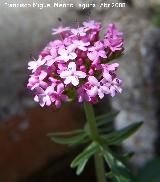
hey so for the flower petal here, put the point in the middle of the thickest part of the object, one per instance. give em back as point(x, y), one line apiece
point(93, 80)
point(68, 80)
point(100, 94)
point(60, 88)
point(48, 100)
point(58, 103)
point(93, 91)
point(75, 81)
point(72, 66)
point(65, 74)
point(80, 74)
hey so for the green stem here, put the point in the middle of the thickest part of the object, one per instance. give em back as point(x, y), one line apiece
point(99, 163)
point(100, 169)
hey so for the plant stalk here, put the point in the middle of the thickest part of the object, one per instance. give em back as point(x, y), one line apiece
point(99, 163)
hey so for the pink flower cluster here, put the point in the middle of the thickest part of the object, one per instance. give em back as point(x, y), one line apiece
point(77, 65)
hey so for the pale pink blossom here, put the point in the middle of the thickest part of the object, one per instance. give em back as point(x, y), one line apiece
point(66, 55)
point(58, 96)
point(34, 65)
point(43, 96)
point(92, 25)
point(71, 75)
point(50, 59)
point(78, 44)
point(79, 31)
point(96, 51)
point(60, 30)
point(98, 88)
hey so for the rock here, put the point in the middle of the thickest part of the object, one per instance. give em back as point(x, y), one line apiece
point(150, 50)
point(154, 3)
point(136, 103)
point(146, 3)
point(141, 3)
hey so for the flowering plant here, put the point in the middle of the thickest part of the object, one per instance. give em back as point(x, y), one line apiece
point(77, 67)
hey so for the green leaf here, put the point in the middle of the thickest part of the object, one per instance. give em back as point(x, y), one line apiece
point(119, 170)
point(110, 174)
point(106, 118)
point(105, 130)
point(150, 172)
point(70, 140)
point(81, 160)
point(81, 166)
point(121, 135)
point(66, 133)
point(126, 157)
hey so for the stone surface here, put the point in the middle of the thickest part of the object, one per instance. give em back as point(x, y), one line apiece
point(150, 50)
point(145, 3)
point(136, 103)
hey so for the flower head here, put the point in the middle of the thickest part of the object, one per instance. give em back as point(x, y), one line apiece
point(77, 66)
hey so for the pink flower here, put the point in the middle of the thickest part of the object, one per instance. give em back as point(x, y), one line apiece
point(110, 67)
point(96, 51)
point(71, 75)
point(79, 31)
point(113, 38)
point(92, 25)
point(60, 30)
point(78, 44)
point(34, 65)
point(113, 32)
point(98, 88)
point(82, 94)
point(55, 44)
point(43, 96)
point(58, 96)
point(114, 86)
point(66, 55)
point(36, 80)
point(115, 44)
point(50, 59)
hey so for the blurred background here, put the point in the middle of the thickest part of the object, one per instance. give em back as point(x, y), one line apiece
point(26, 153)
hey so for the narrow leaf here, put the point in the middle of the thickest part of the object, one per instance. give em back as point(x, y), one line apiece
point(81, 160)
point(121, 173)
point(121, 135)
point(74, 132)
point(69, 140)
point(81, 166)
point(106, 118)
point(105, 130)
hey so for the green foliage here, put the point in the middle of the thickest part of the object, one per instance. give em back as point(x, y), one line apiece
point(156, 17)
point(69, 138)
point(81, 160)
point(108, 136)
point(106, 118)
point(119, 136)
point(119, 171)
point(150, 172)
